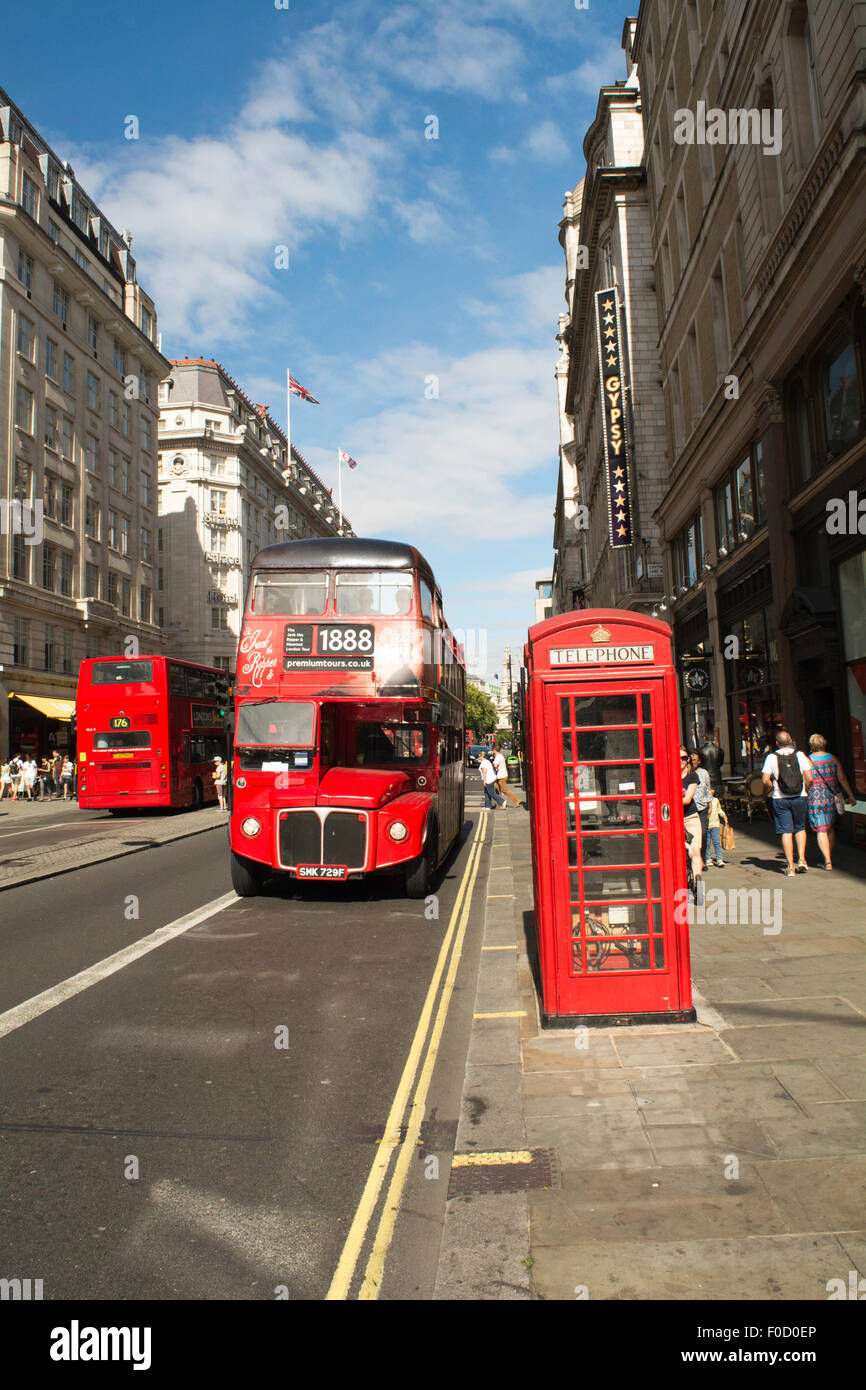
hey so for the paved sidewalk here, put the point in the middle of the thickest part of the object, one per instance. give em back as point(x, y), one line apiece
point(99, 840)
point(722, 1159)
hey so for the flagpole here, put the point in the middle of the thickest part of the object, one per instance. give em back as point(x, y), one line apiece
point(340, 486)
point(288, 418)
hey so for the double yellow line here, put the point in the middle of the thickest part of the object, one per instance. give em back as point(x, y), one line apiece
point(391, 1141)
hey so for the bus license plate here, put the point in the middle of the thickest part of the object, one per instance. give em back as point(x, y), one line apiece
point(322, 871)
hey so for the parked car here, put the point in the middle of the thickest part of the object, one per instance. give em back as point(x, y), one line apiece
point(474, 752)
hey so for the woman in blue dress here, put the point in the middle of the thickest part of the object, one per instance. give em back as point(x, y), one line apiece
point(828, 781)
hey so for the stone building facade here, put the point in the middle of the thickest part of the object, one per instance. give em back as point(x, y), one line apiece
point(605, 234)
point(225, 490)
point(759, 237)
point(79, 367)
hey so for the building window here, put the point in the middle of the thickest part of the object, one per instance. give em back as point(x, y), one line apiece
point(80, 260)
point(48, 558)
point(112, 468)
point(61, 303)
point(104, 243)
point(161, 617)
point(112, 530)
point(159, 579)
point(26, 338)
point(91, 453)
point(146, 488)
point(20, 557)
point(840, 389)
point(146, 322)
point(112, 409)
point(739, 501)
point(92, 391)
point(21, 642)
point(30, 197)
point(124, 476)
point(66, 496)
point(54, 233)
point(144, 603)
point(66, 570)
point(23, 408)
point(217, 542)
point(218, 501)
point(219, 619)
point(125, 597)
point(124, 419)
point(79, 212)
point(159, 540)
point(50, 647)
point(52, 428)
point(144, 434)
point(146, 554)
point(67, 438)
point(25, 269)
point(51, 359)
point(144, 386)
point(113, 588)
point(124, 535)
point(91, 518)
point(92, 333)
point(91, 581)
point(67, 652)
point(688, 555)
point(68, 374)
point(49, 495)
point(119, 358)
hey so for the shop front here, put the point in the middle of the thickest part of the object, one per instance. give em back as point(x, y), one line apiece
point(748, 624)
point(39, 724)
point(852, 599)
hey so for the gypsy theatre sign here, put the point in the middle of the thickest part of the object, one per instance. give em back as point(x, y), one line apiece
point(610, 364)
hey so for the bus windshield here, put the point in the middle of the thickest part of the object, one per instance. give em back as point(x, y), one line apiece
point(371, 593)
point(272, 724)
point(291, 593)
point(117, 672)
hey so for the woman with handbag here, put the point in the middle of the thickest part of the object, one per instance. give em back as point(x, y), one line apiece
point(826, 802)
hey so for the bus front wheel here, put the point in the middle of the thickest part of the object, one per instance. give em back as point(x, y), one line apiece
point(247, 878)
point(197, 795)
point(419, 877)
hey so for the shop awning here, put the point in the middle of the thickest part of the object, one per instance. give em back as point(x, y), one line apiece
point(54, 709)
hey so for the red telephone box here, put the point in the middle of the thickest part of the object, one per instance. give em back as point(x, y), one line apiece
point(608, 844)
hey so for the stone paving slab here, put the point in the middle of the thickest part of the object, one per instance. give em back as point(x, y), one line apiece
point(666, 1203)
point(783, 1267)
point(813, 1195)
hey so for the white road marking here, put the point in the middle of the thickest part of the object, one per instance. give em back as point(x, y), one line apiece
point(67, 989)
point(82, 826)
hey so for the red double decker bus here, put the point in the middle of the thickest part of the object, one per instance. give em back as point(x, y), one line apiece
point(149, 728)
point(349, 714)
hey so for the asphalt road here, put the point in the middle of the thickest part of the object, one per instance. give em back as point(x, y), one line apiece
point(155, 1143)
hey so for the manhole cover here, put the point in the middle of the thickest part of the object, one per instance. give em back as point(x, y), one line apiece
point(519, 1171)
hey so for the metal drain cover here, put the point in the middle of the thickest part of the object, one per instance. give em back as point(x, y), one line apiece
point(509, 1171)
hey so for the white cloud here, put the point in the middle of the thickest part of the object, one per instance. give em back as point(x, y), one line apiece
point(525, 306)
point(441, 52)
point(544, 142)
point(604, 66)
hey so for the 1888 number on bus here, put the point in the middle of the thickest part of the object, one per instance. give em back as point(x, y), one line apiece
point(344, 638)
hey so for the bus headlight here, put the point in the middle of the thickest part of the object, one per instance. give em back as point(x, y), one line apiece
point(397, 830)
point(250, 827)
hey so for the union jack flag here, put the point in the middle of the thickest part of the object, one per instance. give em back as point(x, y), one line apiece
point(301, 391)
point(344, 458)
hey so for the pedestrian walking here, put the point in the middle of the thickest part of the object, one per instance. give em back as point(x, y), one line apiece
point(692, 821)
point(712, 757)
point(220, 777)
point(703, 795)
point(28, 779)
point(45, 781)
point(66, 771)
point(714, 836)
point(826, 802)
point(789, 774)
point(488, 778)
point(500, 767)
point(5, 779)
point(16, 768)
point(56, 767)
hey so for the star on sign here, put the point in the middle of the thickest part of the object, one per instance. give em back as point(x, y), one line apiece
point(618, 472)
point(608, 304)
point(621, 531)
point(608, 318)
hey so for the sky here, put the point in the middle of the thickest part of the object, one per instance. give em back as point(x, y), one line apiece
point(424, 278)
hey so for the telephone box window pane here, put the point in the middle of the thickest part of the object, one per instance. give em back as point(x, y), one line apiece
point(611, 884)
point(569, 781)
point(619, 779)
point(566, 748)
point(608, 747)
point(604, 815)
point(613, 849)
point(598, 711)
point(565, 711)
point(572, 849)
point(648, 743)
point(646, 709)
point(618, 919)
point(659, 951)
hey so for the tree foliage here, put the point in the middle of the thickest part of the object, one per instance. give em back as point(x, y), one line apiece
point(481, 715)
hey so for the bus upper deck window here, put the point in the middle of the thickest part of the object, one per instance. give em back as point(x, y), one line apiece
point(291, 593)
point(374, 593)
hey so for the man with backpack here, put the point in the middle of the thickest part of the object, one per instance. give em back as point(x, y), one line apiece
point(789, 774)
